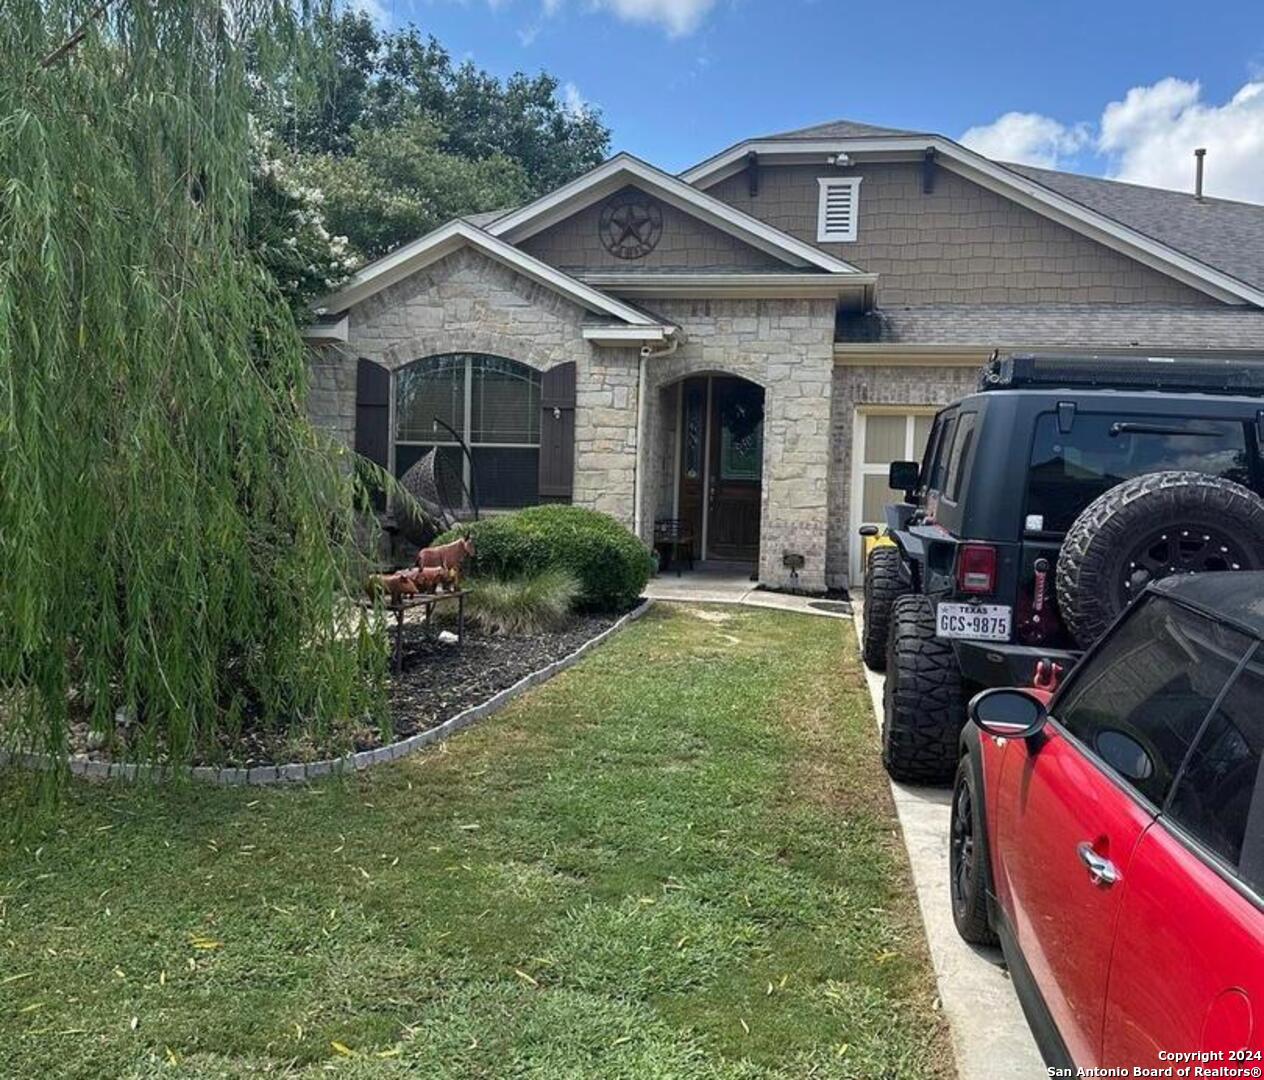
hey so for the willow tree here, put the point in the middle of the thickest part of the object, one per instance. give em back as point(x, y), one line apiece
point(177, 543)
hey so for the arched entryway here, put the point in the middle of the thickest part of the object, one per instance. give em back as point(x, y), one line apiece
point(720, 464)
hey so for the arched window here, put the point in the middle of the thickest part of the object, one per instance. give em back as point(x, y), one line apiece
point(495, 405)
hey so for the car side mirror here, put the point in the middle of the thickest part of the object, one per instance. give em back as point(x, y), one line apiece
point(1008, 713)
point(902, 475)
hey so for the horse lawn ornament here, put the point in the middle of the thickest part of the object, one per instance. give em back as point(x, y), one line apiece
point(449, 557)
point(434, 579)
point(395, 586)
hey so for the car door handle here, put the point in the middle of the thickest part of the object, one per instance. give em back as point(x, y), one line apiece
point(1101, 870)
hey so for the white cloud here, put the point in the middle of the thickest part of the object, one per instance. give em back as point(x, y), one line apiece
point(374, 9)
point(572, 100)
point(678, 17)
point(1028, 139)
point(1148, 138)
point(1151, 135)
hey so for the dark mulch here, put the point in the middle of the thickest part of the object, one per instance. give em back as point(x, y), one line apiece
point(440, 680)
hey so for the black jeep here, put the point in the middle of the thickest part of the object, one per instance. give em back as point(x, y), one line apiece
point(1044, 504)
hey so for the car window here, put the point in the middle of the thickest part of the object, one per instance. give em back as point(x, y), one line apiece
point(957, 458)
point(1213, 797)
point(1139, 701)
point(932, 449)
point(940, 467)
point(1071, 469)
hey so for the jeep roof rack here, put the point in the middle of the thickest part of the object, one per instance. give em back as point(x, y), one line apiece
point(1207, 375)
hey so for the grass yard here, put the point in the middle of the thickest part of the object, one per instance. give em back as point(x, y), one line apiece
point(678, 859)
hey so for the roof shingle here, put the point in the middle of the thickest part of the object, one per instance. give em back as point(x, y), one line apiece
point(1060, 325)
point(1223, 234)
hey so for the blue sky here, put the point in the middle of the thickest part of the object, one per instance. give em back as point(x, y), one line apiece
point(1119, 89)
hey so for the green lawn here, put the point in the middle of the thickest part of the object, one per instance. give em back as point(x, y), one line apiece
point(678, 859)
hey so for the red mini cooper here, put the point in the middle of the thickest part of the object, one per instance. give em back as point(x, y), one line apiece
point(1111, 836)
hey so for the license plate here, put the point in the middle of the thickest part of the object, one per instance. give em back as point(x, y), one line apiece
point(976, 622)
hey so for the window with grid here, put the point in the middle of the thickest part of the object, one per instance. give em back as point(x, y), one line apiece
point(493, 403)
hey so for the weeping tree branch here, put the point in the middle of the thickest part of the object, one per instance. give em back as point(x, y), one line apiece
point(81, 32)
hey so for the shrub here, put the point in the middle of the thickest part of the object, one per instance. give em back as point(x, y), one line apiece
point(524, 605)
point(611, 564)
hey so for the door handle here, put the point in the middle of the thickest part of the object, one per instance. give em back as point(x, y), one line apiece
point(1101, 870)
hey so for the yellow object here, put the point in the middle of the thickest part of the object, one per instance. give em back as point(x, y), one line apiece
point(871, 542)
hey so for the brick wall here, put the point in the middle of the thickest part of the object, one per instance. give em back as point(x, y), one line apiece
point(961, 244)
point(685, 242)
point(855, 387)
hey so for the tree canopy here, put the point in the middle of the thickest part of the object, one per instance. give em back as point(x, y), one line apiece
point(399, 139)
point(177, 542)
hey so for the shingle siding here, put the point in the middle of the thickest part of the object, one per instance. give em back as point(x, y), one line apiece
point(961, 244)
point(685, 243)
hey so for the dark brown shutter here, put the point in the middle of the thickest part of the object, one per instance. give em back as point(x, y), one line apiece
point(557, 434)
point(373, 412)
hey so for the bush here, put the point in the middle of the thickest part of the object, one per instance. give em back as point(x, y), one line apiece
point(524, 605)
point(611, 564)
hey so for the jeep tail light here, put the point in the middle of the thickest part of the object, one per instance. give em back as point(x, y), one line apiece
point(976, 568)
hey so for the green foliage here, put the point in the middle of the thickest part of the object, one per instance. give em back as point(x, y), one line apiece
point(605, 880)
point(523, 605)
point(401, 140)
point(287, 230)
point(397, 184)
point(176, 540)
point(611, 564)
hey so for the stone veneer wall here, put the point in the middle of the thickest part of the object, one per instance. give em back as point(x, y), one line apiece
point(961, 244)
point(786, 346)
point(854, 387)
point(469, 303)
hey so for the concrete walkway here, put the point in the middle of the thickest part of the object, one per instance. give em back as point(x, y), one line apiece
point(989, 1031)
point(735, 587)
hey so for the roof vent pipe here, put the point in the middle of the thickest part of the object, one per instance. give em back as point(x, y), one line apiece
point(1199, 155)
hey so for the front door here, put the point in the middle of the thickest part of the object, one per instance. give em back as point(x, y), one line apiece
point(737, 462)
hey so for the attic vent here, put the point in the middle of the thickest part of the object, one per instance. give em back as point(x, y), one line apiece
point(839, 208)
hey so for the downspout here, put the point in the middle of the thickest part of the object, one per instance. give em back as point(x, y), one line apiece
point(648, 352)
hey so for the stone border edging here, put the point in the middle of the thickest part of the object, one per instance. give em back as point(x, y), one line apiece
point(296, 772)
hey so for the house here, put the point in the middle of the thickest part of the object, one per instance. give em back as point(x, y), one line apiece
point(746, 346)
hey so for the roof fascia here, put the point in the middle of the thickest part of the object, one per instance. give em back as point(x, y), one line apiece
point(1014, 186)
point(621, 169)
point(448, 238)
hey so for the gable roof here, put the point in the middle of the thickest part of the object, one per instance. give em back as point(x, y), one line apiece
point(1208, 271)
point(623, 169)
point(455, 235)
point(1220, 232)
point(838, 129)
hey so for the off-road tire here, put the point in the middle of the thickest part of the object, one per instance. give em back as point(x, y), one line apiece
point(969, 896)
point(883, 587)
point(923, 705)
point(1095, 555)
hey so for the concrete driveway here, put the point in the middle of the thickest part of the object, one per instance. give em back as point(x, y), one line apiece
point(990, 1035)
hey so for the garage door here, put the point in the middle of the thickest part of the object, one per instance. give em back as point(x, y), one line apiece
point(882, 435)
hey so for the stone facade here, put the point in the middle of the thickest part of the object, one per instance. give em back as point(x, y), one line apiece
point(785, 346)
point(961, 244)
point(854, 387)
point(470, 303)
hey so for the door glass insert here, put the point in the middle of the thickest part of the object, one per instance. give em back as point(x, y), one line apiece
point(741, 458)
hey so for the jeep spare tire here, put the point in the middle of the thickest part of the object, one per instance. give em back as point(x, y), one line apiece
point(1149, 528)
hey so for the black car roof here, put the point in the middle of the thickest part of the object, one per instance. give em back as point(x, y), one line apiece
point(1234, 597)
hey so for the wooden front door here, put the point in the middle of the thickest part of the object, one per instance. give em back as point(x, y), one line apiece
point(737, 463)
point(722, 457)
